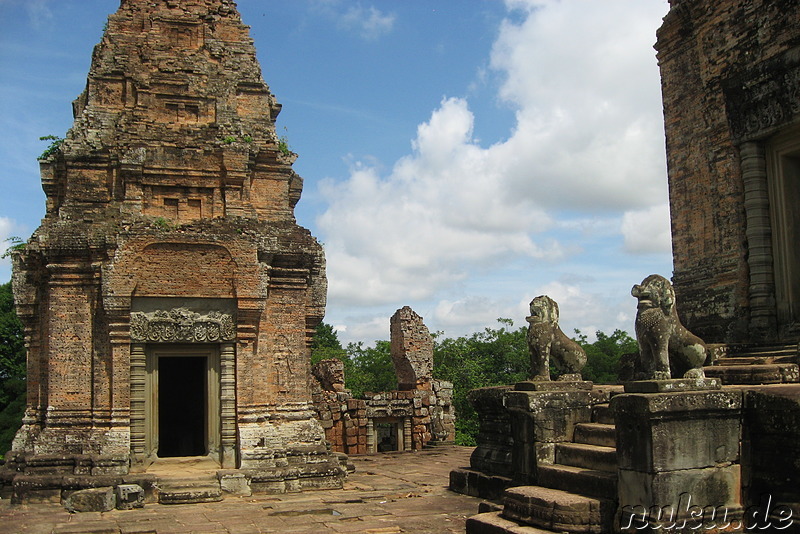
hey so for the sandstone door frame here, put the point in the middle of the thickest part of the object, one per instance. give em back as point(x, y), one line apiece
point(212, 423)
point(142, 418)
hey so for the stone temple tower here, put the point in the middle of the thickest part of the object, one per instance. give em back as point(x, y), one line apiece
point(169, 296)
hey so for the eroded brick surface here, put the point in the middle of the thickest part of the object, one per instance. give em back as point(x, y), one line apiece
point(171, 191)
point(730, 77)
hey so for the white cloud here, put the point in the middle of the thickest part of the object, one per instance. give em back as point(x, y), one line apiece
point(647, 230)
point(583, 165)
point(370, 22)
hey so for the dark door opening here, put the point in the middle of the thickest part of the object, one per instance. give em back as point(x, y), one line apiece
point(387, 436)
point(182, 406)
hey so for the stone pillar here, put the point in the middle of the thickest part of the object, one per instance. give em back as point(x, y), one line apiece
point(370, 437)
point(138, 382)
point(771, 458)
point(228, 404)
point(679, 460)
point(542, 419)
point(412, 350)
point(759, 239)
point(407, 443)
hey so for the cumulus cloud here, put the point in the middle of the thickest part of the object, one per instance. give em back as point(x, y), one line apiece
point(647, 230)
point(435, 217)
point(584, 161)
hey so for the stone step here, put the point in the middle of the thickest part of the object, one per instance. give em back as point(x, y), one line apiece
point(590, 482)
point(189, 490)
point(495, 523)
point(557, 510)
point(761, 351)
point(775, 373)
point(601, 413)
point(601, 434)
point(587, 456)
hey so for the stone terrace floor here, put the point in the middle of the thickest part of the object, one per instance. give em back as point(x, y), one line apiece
point(395, 492)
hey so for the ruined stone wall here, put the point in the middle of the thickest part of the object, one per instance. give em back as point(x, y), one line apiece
point(729, 82)
point(423, 411)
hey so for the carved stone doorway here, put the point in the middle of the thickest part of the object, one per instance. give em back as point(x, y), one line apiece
point(182, 401)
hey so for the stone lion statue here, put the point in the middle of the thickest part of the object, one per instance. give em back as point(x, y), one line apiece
point(665, 345)
point(547, 343)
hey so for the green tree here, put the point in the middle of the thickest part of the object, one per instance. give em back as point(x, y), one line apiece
point(493, 357)
point(603, 355)
point(369, 369)
point(12, 369)
point(326, 344)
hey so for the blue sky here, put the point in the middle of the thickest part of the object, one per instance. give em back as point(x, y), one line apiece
point(460, 157)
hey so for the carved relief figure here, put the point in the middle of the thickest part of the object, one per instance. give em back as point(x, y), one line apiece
point(665, 346)
point(546, 341)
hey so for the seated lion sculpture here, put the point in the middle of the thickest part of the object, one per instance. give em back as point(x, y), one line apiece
point(665, 345)
point(548, 343)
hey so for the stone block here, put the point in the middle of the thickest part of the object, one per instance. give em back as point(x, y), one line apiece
point(712, 486)
point(669, 431)
point(672, 385)
point(130, 496)
point(558, 510)
point(553, 385)
point(234, 482)
point(91, 500)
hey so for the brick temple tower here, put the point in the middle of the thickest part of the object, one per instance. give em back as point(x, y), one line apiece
point(169, 296)
point(730, 73)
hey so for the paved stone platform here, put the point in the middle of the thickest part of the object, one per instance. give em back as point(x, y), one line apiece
point(395, 492)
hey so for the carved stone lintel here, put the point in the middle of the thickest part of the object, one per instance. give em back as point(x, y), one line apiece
point(181, 325)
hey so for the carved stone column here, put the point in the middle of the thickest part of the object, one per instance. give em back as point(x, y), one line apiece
point(407, 443)
point(759, 239)
point(228, 404)
point(138, 381)
point(370, 437)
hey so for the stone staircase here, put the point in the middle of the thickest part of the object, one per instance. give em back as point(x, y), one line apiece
point(756, 364)
point(189, 489)
point(577, 493)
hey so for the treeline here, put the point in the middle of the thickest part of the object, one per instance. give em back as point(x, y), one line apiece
point(493, 357)
point(12, 370)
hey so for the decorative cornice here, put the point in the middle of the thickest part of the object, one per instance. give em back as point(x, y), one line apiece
point(181, 325)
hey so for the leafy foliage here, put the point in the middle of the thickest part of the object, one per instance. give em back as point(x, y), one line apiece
point(493, 357)
point(53, 147)
point(12, 369)
point(366, 369)
point(603, 355)
point(15, 243)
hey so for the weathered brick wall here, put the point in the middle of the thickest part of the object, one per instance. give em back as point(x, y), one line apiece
point(171, 185)
point(711, 53)
point(411, 349)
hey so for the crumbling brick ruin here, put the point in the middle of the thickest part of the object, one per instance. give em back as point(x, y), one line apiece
point(730, 76)
point(169, 298)
point(419, 413)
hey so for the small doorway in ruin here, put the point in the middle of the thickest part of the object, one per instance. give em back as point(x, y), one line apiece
point(183, 412)
point(388, 434)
